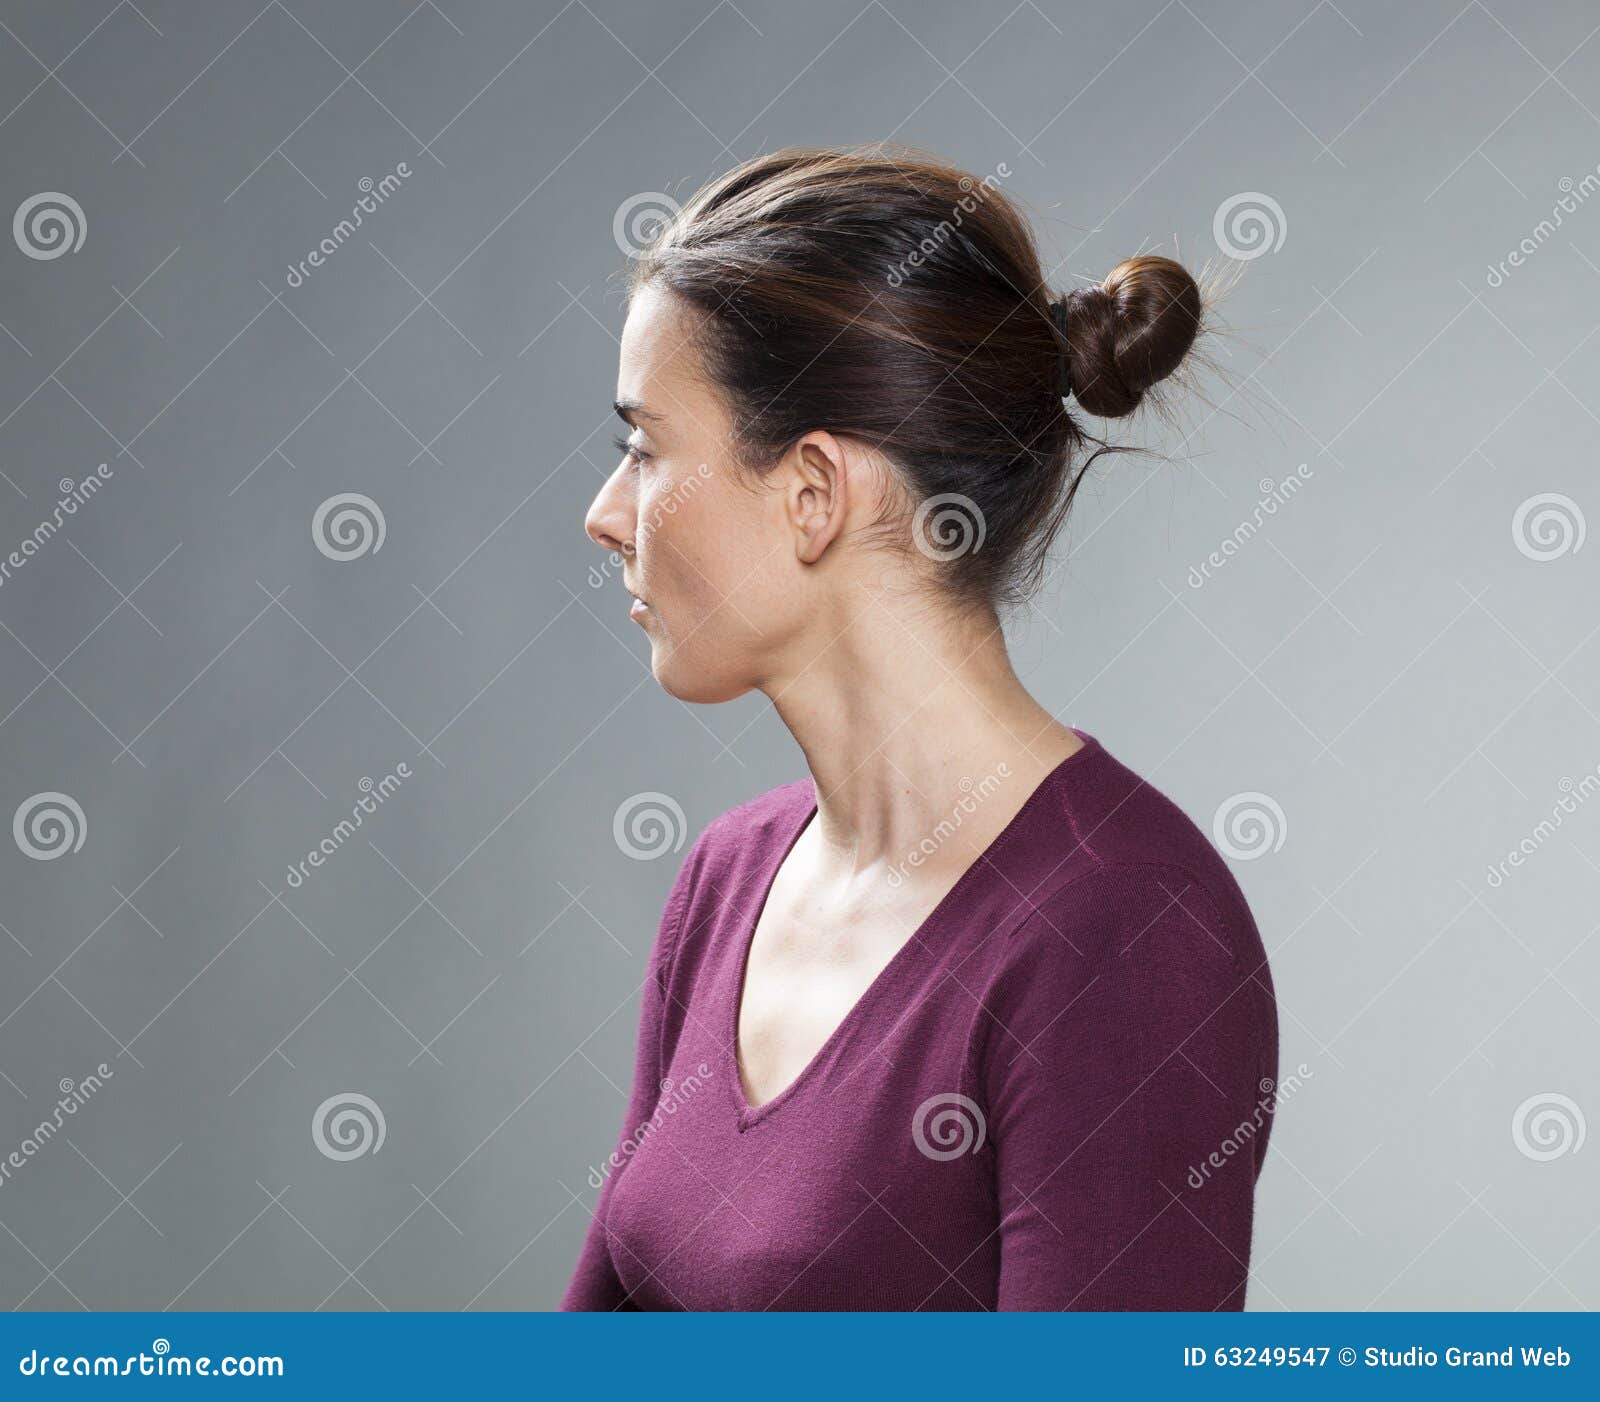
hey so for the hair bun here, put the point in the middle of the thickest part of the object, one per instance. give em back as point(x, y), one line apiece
point(1130, 332)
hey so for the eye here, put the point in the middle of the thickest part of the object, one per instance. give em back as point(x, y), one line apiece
point(629, 449)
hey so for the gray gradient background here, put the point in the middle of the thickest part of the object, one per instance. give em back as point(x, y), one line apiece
point(1381, 659)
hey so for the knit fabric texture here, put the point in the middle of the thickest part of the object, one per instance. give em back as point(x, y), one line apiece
point(1056, 1095)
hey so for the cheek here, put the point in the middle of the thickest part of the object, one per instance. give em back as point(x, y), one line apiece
point(692, 535)
point(665, 536)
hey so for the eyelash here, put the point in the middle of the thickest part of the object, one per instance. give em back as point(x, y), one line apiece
point(629, 449)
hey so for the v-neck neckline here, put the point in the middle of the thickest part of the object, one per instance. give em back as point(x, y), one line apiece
point(749, 1115)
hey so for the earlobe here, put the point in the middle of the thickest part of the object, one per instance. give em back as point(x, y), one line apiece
point(813, 538)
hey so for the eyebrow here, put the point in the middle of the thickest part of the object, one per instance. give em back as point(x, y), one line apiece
point(631, 410)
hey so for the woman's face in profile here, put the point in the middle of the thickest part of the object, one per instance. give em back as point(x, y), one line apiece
point(708, 553)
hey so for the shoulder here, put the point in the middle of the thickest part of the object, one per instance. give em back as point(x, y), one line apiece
point(1127, 966)
point(1141, 859)
point(1142, 926)
point(1155, 911)
point(747, 836)
point(729, 851)
point(760, 819)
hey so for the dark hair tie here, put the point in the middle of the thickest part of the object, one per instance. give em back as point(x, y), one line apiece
point(1058, 315)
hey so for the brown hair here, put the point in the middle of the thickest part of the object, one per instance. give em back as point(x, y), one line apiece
point(884, 296)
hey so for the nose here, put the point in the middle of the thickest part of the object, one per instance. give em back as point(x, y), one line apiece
point(613, 515)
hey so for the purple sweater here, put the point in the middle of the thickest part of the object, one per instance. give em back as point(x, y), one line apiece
point(1056, 1095)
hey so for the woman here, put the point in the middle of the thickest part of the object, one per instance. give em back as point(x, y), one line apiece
point(971, 1018)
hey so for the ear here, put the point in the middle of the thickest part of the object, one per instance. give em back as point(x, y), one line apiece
point(816, 498)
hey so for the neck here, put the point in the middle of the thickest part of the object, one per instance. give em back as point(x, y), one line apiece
point(900, 722)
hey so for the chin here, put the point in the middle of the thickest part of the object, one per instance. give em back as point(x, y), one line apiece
point(680, 678)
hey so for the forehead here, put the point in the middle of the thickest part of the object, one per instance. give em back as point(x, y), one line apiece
point(657, 351)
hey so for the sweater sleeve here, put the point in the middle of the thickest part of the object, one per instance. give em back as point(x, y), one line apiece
point(595, 1284)
point(1125, 1073)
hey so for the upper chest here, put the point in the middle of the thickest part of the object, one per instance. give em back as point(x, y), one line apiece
point(816, 952)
